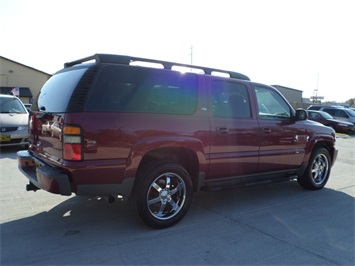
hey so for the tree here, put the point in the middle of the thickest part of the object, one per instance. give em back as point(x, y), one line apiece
point(351, 102)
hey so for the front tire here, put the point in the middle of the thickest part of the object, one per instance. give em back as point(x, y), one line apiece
point(163, 195)
point(318, 170)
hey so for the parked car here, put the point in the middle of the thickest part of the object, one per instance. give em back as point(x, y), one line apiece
point(56, 130)
point(338, 112)
point(13, 121)
point(156, 135)
point(327, 120)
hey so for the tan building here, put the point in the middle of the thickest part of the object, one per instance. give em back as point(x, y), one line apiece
point(293, 96)
point(29, 80)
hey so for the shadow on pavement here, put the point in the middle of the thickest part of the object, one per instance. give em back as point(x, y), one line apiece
point(91, 231)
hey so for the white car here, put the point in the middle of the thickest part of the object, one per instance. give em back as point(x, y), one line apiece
point(13, 121)
point(47, 127)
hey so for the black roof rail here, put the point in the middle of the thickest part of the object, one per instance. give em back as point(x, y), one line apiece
point(126, 60)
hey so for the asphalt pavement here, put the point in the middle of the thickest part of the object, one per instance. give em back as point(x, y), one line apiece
point(277, 224)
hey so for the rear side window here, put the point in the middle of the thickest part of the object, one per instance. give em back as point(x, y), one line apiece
point(57, 91)
point(329, 111)
point(143, 90)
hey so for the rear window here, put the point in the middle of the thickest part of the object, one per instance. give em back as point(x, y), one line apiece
point(143, 90)
point(56, 92)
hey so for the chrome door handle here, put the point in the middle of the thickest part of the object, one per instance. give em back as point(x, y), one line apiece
point(222, 130)
point(267, 130)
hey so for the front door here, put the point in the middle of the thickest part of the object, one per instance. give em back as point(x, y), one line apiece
point(283, 140)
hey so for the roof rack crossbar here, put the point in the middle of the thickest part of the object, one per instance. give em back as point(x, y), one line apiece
point(126, 60)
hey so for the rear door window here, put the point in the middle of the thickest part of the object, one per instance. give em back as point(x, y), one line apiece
point(143, 90)
point(230, 99)
point(329, 111)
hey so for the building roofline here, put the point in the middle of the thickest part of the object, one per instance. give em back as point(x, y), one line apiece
point(280, 86)
point(25, 65)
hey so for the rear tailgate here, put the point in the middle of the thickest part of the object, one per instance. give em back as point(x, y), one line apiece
point(46, 141)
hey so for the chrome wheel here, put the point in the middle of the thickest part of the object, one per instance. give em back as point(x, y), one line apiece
point(317, 172)
point(163, 194)
point(166, 196)
point(320, 168)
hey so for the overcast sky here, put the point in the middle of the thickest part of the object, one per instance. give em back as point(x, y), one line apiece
point(299, 44)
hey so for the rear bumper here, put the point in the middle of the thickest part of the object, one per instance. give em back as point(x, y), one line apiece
point(54, 180)
point(43, 176)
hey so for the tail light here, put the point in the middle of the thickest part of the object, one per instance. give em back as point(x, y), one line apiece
point(72, 143)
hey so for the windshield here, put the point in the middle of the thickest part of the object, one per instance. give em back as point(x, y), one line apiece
point(350, 112)
point(11, 105)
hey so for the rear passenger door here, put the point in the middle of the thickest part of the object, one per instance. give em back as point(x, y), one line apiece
point(234, 131)
point(283, 140)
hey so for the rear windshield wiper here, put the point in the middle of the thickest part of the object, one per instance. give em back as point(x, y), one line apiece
point(42, 114)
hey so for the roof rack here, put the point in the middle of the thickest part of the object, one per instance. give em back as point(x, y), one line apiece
point(126, 60)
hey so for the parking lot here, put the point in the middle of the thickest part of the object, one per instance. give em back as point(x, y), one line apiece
point(277, 224)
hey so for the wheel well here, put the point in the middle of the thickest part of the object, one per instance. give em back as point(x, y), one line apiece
point(325, 145)
point(185, 157)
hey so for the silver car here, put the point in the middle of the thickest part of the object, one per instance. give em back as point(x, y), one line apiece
point(13, 121)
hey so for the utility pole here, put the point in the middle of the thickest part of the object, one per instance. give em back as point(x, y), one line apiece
point(315, 97)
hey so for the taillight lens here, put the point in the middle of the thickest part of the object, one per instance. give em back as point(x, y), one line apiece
point(72, 143)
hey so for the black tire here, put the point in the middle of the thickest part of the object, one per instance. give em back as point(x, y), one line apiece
point(318, 170)
point(163, 195)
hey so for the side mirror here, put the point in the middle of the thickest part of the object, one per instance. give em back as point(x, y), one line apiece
point(301, 114)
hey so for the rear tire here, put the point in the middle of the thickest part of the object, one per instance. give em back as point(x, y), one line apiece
point(318, 170)
point(163, 195)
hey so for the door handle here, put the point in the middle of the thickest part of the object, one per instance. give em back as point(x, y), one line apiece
point(267, 130)
point(222, 130)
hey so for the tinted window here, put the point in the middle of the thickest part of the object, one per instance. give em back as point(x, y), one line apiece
point(341, 113)
point(271, 104)
point(137, 89)
point(314, 107)
point(230, 99)
point(329, 111)
point(56, 92)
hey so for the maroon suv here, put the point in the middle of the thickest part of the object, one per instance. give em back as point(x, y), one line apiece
point(156, 135)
